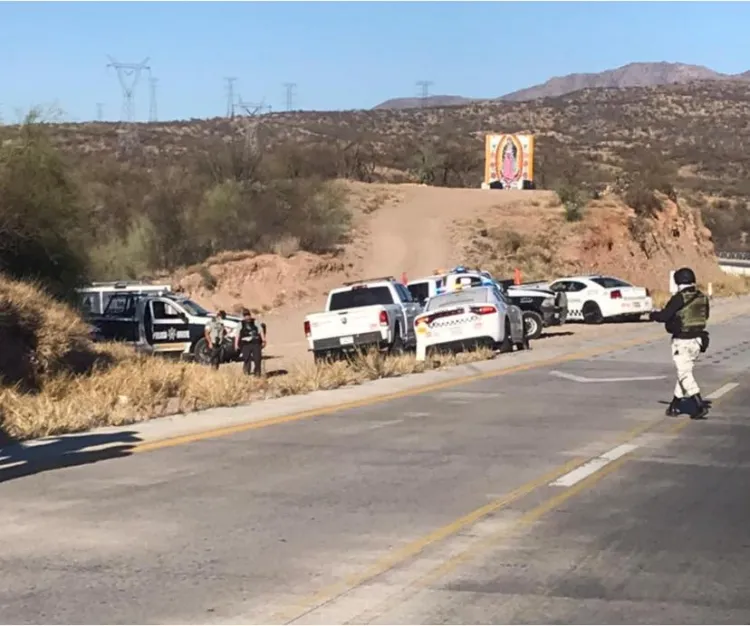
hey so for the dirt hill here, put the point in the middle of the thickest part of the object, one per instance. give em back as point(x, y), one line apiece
point(418, 228)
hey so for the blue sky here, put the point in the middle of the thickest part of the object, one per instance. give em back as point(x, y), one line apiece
point(342, 55)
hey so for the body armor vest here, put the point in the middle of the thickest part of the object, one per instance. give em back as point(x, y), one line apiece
point(694, 315)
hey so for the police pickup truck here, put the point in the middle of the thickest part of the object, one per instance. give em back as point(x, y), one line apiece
point(155, 320)
point(373, 312)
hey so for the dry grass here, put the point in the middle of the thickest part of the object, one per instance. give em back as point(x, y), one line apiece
point(139, 388)
point(56, 380)
point(40, 337)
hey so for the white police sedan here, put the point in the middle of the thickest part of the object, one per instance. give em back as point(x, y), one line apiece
point(596, 298)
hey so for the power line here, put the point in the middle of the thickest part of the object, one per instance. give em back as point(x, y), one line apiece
point(230, 95)
point(424, 90)
point(289, 87)
point(152, 111)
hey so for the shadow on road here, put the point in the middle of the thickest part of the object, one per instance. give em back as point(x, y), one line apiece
point(18, 460)
point(279, 372)
point(565, 333)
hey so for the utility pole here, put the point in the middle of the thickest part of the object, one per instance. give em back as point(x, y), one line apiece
point(99, 111)
point(424, 90)
point(152, 112)
point(289, 87)
point(230, 96)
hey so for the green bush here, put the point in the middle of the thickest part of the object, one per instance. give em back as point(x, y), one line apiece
point(42, 222)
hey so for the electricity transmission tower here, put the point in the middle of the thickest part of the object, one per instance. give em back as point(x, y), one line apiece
point(424, 90)
point(129, 74)
point(253, 108)
point(289, 87)
point(99, 111)
point(152, 114)
point(230, 96)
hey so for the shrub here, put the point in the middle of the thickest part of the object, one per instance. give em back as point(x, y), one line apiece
point(573, 200)
point(42, 223)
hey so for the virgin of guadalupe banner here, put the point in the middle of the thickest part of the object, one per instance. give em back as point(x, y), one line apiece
point(509, 159)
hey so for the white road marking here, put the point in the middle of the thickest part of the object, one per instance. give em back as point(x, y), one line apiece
point(583, 379)
point(593, 466)
point(383, 424)
point(723, 390)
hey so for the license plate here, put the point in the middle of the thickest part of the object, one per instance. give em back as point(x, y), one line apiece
point(346, 341)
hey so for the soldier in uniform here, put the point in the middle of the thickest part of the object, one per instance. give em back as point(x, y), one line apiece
point(685, 317)
point(250, 340)
point(215, 333)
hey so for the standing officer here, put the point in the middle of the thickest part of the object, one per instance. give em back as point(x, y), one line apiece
point(252, 336)
point(215, 333)
point(685, 318)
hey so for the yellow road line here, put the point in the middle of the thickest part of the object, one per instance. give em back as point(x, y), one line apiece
point(414, 391)
point(330, 593)
point(527, 519)
point(415, 547)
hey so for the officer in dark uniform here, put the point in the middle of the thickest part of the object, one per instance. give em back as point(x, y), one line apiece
point(685, 317)
point(250, 341)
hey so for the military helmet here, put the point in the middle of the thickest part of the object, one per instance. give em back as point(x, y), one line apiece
point(684, 276)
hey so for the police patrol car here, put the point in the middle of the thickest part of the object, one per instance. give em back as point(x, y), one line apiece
point(595, 298)
point(152, 318)
point(540, 306)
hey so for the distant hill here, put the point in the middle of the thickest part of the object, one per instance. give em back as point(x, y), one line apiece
point(631, 75)
point(430, 101)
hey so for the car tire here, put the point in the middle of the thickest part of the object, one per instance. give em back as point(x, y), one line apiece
point(592, 314)
point(397, 348)
point(533, 324)
point(201, 352)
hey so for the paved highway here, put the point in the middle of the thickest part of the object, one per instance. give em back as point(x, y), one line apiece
point(556, 494)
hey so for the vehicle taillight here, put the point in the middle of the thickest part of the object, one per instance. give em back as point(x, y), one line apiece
point(483, 310)
point(307, 328)
point(384, 318)
point(616, 294)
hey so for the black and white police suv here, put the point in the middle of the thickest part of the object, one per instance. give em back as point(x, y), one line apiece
point(154, 320)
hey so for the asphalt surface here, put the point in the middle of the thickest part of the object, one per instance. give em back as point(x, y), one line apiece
point(457, 506)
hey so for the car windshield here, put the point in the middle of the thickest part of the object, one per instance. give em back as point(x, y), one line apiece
point(610, 283)
point(360, 296)
point(193, 308)
point(459, 298)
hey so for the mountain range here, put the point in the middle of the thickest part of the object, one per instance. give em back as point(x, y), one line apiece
point(630, 75)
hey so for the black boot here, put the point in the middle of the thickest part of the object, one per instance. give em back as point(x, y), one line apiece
point(673, 410)
point(698, 408)
point(706, 403)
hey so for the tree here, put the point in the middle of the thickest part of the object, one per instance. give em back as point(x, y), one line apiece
point(42, 222)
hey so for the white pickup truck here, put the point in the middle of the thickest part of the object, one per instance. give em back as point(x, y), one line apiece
point(374, 312)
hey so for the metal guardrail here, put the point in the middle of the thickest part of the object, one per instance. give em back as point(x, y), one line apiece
point(730, 255)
